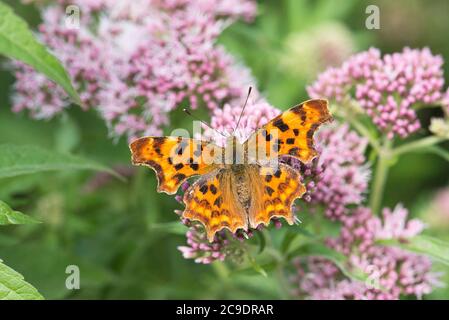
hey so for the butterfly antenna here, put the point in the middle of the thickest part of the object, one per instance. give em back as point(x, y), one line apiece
point(203, 122)
point(243, 109)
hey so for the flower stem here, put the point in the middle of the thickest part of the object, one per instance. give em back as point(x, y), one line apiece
point(365, 132)
point(417, 145)
point(382, 167)
point(386, 153)
point(359, 127)
point(282, 282)
point(281, 279)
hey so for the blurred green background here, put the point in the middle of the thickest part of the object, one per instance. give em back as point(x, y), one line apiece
point(112, 233)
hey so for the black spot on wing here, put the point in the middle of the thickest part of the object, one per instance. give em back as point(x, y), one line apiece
point(179, 177)
point(281, 125)
point(266, 135)
point(158, 142)
point(181, 147)
point(278, 173)
point(269, 190)
point(204, 189)
point(218, 201)
point(293, 151)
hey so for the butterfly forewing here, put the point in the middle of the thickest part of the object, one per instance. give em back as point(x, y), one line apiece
point(290, 133)
point(174, 159)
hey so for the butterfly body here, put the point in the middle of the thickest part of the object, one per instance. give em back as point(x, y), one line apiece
point(234, 152)
point(241, 185)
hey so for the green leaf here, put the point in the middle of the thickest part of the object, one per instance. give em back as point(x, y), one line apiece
point(288, 238)
point(175, 227)
point(429, 246)
point(19, 160)
point(256, 267)
point(296, 237)
point(18, 42)
point(67, 136)
point(249, 270)
point(262, 241)
point(9, 216)
point(14, 287)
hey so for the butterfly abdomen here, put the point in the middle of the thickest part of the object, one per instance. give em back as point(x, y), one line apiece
point(241, 186)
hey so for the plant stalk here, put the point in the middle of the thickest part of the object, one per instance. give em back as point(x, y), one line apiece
point(417, 145)
point(381, 173)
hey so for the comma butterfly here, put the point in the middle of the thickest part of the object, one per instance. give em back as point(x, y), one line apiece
point(241, 185)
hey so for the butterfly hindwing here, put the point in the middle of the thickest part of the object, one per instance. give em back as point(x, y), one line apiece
point(212, 201)
point(274, 194)
point(291, 133)
point(174, 159)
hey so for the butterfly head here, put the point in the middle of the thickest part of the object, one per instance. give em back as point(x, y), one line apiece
point(234, 151)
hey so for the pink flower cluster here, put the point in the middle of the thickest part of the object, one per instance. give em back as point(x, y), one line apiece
point(336, 181)
point(339, 176)
point(199, 248)
point(135, 61)
point(388, 88)
point(392, 272)
point(256, 114)
point(316, 278)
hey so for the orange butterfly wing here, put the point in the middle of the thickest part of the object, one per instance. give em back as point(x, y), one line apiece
point(174, 159)
point(274, 194)
point(212, 200)
point(291, 133)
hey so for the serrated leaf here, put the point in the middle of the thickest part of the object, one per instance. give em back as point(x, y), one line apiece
point(18, 42)
point(9, 216)
point(429, 246)
point(14, 287)
point(19, 160)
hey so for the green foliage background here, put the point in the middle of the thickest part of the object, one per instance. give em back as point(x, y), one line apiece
point(121, 236)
